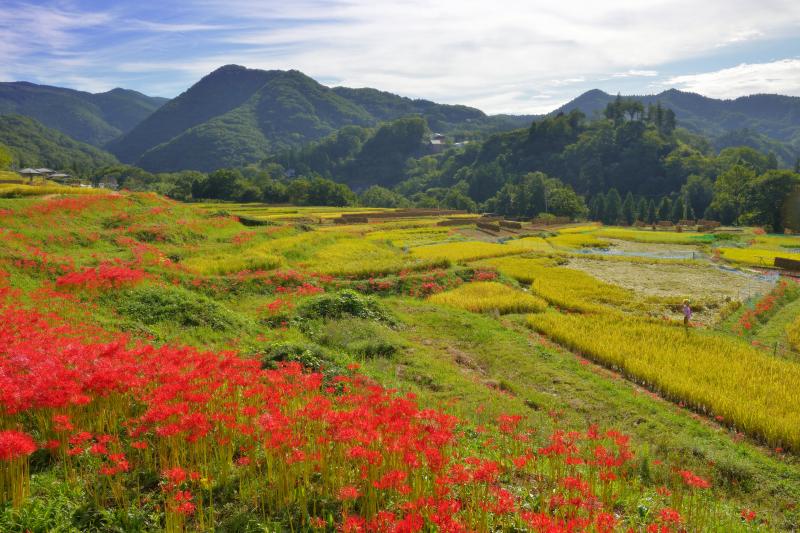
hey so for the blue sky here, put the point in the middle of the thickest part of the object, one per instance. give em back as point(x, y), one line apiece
point(515, 56)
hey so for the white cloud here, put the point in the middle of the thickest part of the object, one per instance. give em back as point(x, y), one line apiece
point(781, 76)
point(635, 74)
point(522, 56)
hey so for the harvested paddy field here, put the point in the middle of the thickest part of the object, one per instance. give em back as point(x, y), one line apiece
point(706, 283)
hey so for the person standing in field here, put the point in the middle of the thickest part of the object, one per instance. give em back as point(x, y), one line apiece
point(687, 313)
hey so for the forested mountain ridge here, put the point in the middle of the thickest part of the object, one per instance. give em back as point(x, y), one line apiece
point(768, 122)
point(234, 116)
point(31, 144)
point(86, 117)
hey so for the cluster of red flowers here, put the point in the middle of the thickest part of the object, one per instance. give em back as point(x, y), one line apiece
point(15, 444)
point(400, 467)
point(484, 275)
point(103, 276)
point(767, 306)
point(70, 204)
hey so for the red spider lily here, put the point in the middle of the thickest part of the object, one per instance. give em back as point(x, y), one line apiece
point(748, 515)
point(348, 493)
point(670, 516)
point(15, 444)
point(693, 480)
point(103, 276)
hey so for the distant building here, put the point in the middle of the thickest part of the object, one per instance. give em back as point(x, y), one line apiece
point(29, 173)
point(437, 142)
point(47, 172)
point(109, 182)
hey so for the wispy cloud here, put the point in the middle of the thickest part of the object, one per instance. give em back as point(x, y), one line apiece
point(635, 74)
point(526, 56)
point(781, 76)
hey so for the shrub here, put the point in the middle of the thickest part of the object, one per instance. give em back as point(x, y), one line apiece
point(155, 304)
point(355, 336)
point(345, 303)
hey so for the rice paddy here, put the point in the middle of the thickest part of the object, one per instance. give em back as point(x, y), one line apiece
point(563, 287)
point(711, 372)
point(476, 321)
point(760, 257)
point(485, 296)
point(460, 252)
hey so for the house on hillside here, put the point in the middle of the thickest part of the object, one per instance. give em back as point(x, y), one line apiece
point(437, 142)
point(29, 173)
point(45, 172)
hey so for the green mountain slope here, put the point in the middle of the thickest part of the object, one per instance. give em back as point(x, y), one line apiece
point(768, 118)
point(34, 145)
point(236, 115)
point(86, 117)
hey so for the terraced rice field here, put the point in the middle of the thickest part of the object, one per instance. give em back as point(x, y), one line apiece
point(166, 367)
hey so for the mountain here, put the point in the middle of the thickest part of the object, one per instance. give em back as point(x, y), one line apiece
point(762, 121)
point(234, 116)
point(86, 117)
point(34, 145)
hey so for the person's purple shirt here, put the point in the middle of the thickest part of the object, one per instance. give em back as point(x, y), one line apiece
point(687, 311)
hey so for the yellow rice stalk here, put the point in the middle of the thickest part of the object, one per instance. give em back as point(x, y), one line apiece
point(563, 287)
point(756, 256)
point(458, 252)
point(649, 236)
point(483, 296)
point(227, 263)
point(359, 257)
point(720, 375)
point(576, 241)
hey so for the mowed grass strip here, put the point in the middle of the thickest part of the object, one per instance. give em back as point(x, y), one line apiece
point(563, 287)
point(717, 375)
point(485, 296)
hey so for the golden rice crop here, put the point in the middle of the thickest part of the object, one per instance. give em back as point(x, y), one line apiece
point(532, 244)
point(411, 236)
point(583, 228)
point(9, 190)
point(793, 333)
point(229, 262)
point(359, 257)
point(756, 256)
point(563, 287)
point(721, 375)
point(649, 236)
point(577, 240)
point(778, 242)
point(483, 296)
point(464, 251)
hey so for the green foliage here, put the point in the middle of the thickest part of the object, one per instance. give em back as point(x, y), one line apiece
point(377, 196)
point(536, 193)
point(345, 303)
point(33, 145)
point(159, 304)
point(356, 336)
point(766, 122)
point(5, 157)
point(629, 209)
point(612, 212)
